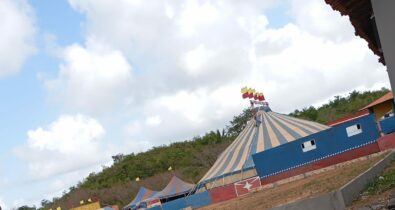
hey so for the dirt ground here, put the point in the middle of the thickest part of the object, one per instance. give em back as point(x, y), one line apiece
point(309, 186)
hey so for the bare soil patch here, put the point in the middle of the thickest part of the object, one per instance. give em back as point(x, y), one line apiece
point(309, 186)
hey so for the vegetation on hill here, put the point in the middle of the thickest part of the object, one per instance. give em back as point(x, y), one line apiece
point(339, 106)
point(189, 159)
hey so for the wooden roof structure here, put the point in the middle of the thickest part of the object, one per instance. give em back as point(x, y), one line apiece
point(361, 16)
point(387, 97)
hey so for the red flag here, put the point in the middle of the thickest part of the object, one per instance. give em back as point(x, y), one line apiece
point(258, 96)
point(245, 186)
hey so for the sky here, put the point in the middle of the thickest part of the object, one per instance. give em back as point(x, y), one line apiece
point(81, 80)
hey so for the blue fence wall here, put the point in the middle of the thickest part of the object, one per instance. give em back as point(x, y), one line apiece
point(175, 204)
point(156, 208)
point(328, 142)
point(388, 125)
point(195, 201)
point(198, 200)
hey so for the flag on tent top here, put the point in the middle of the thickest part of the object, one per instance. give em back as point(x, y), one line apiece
point(259, 97)
point(244, 92)
point(252, 93)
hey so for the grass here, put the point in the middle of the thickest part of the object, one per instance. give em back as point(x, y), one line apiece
point(383, 183)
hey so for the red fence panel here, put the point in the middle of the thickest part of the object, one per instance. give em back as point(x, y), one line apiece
point(223, 193)
point(387, 142)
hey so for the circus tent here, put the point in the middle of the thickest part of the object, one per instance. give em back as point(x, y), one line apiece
point(143, 195)
point(175, 187)
point(266, 130)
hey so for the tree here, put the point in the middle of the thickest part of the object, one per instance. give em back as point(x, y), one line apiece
point(117, 158)
point(45, 202)
point(239, 122)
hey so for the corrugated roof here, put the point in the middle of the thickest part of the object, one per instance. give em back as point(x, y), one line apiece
point(360, 13)
point(267, 130)
point(388, 96)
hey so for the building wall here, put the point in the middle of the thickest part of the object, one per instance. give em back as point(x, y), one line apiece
point(330, 161)
point(381, 109)
point(388, 125)
point(328, 143)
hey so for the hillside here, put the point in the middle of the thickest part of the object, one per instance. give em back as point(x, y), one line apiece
point(339, 106)
point(189, 159)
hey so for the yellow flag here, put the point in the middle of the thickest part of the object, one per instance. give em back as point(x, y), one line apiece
point(170, 168)
point(137, 179)
point(58, 208)
point(244, 90)
point(82, 202)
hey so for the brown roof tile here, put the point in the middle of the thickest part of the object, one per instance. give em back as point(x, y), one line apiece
point(383, 98)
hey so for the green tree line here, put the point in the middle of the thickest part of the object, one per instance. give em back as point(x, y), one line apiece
point(339, 106)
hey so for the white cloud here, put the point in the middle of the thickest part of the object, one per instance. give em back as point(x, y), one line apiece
point(164, 48)
point(2, 204)
point(321, 20)
point(153, 120)
point(92, 78)
point(192, 57)
point(186, 114)
point(71, 143)
point(17, 35)
point(196, 14)
point(195, 59)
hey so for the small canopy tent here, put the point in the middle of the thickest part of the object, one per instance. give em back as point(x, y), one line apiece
point(175, 187)
point(142, 195)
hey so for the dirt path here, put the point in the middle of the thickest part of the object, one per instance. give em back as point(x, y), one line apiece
point(299, 189)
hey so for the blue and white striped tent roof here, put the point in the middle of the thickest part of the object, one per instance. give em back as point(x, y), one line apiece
point(142, 195)
point(266, 130)
point(175, 187)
